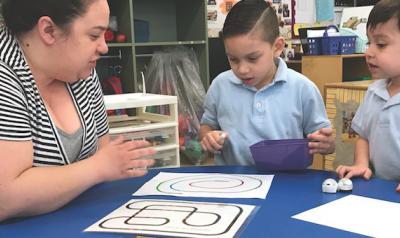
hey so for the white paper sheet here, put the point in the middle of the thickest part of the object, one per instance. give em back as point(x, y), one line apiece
point(320, 33)
point(305, 11)
point(365, 216)
point(207, 185)
point(354, 20)
point(174, 218)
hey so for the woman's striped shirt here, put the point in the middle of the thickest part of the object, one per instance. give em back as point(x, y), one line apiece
point(24, 117)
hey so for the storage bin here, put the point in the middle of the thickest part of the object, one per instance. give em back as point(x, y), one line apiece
point(163, 159)
point(361, 45)
point(332, 45)
point(154, 137)
point(160, 130)
point(141, 31)
point(291, 154)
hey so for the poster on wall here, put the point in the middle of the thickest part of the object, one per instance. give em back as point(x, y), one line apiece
point(216, 14)
point(218, 9)
point(283, 10)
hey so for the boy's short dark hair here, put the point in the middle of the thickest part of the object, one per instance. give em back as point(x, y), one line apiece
point(247, 16)
point(384, 11)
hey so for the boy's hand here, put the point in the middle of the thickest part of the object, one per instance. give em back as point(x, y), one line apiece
point(212, 141)
point(323, 142)
point(351, 171)
point(398, 188)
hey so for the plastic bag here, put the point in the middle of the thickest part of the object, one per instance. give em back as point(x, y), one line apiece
point(112, 23)
point(175, 71)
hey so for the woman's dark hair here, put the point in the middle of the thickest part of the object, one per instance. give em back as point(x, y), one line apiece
point(384, 11)
point(21, 16)
point(248, 16)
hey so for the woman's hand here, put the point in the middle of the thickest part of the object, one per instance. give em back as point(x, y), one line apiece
point(119, 160)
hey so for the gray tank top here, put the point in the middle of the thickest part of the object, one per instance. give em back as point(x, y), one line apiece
point(72, 143)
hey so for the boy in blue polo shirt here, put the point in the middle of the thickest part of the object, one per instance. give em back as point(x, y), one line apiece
point(376, 120)
point(260, 98)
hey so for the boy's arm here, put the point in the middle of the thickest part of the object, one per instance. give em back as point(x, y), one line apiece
point(204, 129)
point(211, 139)
point(361, 153)
point(209, 133)
point(361, 162)
point(316, 125)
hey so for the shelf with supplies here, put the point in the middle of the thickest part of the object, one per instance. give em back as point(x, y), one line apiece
point(294, 64)
point(161, 131)
point(150, 25)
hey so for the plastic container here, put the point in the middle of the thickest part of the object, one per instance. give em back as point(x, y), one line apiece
point(160, 130)
point(155, 137)
point(332, 45)
point(291, 154)
point(141, 30)
point(164, 133)
point(361, 44)
point(163, 159)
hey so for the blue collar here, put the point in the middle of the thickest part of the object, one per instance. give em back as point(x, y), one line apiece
point(380, 88)
point(281, 75)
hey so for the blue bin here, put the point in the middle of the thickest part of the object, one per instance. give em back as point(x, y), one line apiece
point(332, 45)
point(141, 31)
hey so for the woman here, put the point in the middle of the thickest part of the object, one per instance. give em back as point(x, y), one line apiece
point(54, 138)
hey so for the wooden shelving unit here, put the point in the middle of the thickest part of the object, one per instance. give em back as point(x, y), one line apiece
point(323, 69)
point(294, 64)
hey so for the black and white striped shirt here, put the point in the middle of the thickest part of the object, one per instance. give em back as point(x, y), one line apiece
point(23, 115)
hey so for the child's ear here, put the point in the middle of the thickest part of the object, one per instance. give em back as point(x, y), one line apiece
point(47, 29)
point(278, 46)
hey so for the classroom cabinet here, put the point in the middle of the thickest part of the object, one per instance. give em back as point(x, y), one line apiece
point(323, 69)
point(170, 23)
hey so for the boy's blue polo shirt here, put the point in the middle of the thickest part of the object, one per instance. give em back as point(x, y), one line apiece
point(288, 108)
point(377, 121)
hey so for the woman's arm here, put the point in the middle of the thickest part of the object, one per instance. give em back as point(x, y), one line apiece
point(28, 191)
point(104, 140)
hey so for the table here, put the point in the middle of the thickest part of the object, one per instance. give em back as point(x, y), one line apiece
point(290, 193)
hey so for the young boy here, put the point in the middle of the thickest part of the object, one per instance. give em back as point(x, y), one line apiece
point(260, 98)
point(376, 120)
